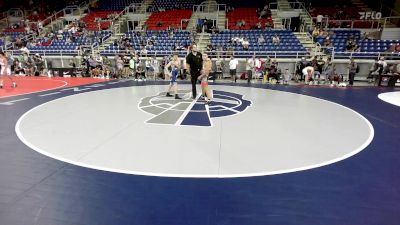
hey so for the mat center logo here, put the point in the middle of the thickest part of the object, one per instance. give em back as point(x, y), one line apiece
point(189, 112)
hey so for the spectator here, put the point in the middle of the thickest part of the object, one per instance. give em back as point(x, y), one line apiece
point(219, 63)
point(258, 25)
point(155, 67)
point(258, 66)
point(250, 64)
point(261, 39)
point(315, 32)
point(286, 76)
point(319, 20)
point(233, 63)
point(308, 73)
point(276, 40)
point(268, 25)
point(143, 51)
point(245, 44)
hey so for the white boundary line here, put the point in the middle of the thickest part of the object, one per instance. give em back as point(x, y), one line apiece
point(386, 97)
point(13, 101)
point(357, 150)
point(187, 110)
point(52, 93)
point(27, 93)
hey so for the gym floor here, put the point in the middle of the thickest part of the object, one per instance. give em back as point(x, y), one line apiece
point(120, 152)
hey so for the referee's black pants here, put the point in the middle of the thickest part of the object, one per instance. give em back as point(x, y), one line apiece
point(193, 79)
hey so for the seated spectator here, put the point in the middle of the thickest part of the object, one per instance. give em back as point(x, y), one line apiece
point(349, 46)
point(276, 40)
point(245, 44)
point(315, 32)
point(234, 40)
point(394, 48)
point(322, 33)
point(334, 77)
point(210, 47)
point(240, 23)
point(328, 42)
point(143, 51)
point(258, 26)
point(240, 40)
point(268, 25)
point(261, 39)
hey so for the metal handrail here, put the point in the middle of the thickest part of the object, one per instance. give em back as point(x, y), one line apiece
point(200, 8)
point(374, 22)
point(239, 54)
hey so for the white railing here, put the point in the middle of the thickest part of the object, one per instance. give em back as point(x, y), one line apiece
point(332, 23)
point(131, 8)
point(367, 55)
point(273, 54)
point(206, 8)
point(290, 55)
point(297, 5)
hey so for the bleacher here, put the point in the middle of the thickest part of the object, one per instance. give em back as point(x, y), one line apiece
point(289, 44)
point(13, 34)
point(158, 5)
point(92, 23)
point(164, 45)
point(116, 5)
point(368, 48)
point(249, 15)
point(340, 38)
point(63, 46)
point(172, 18)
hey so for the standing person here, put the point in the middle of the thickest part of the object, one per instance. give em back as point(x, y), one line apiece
point(232, 68)
point(175, 65)
point(156, 67)
point(250, 68)
point(352, 71)
point(220, 67)
point(5, 69)
point(204, 78)
point(286, 76)
point(149, 69)
point(3, 65)
point(132, 66)
point(120, 66)
point(140, 72)
point(194, 64)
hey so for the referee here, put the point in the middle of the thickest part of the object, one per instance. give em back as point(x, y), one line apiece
point(194, 64)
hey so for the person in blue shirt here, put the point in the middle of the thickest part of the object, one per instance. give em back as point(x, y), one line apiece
point(175, 66)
